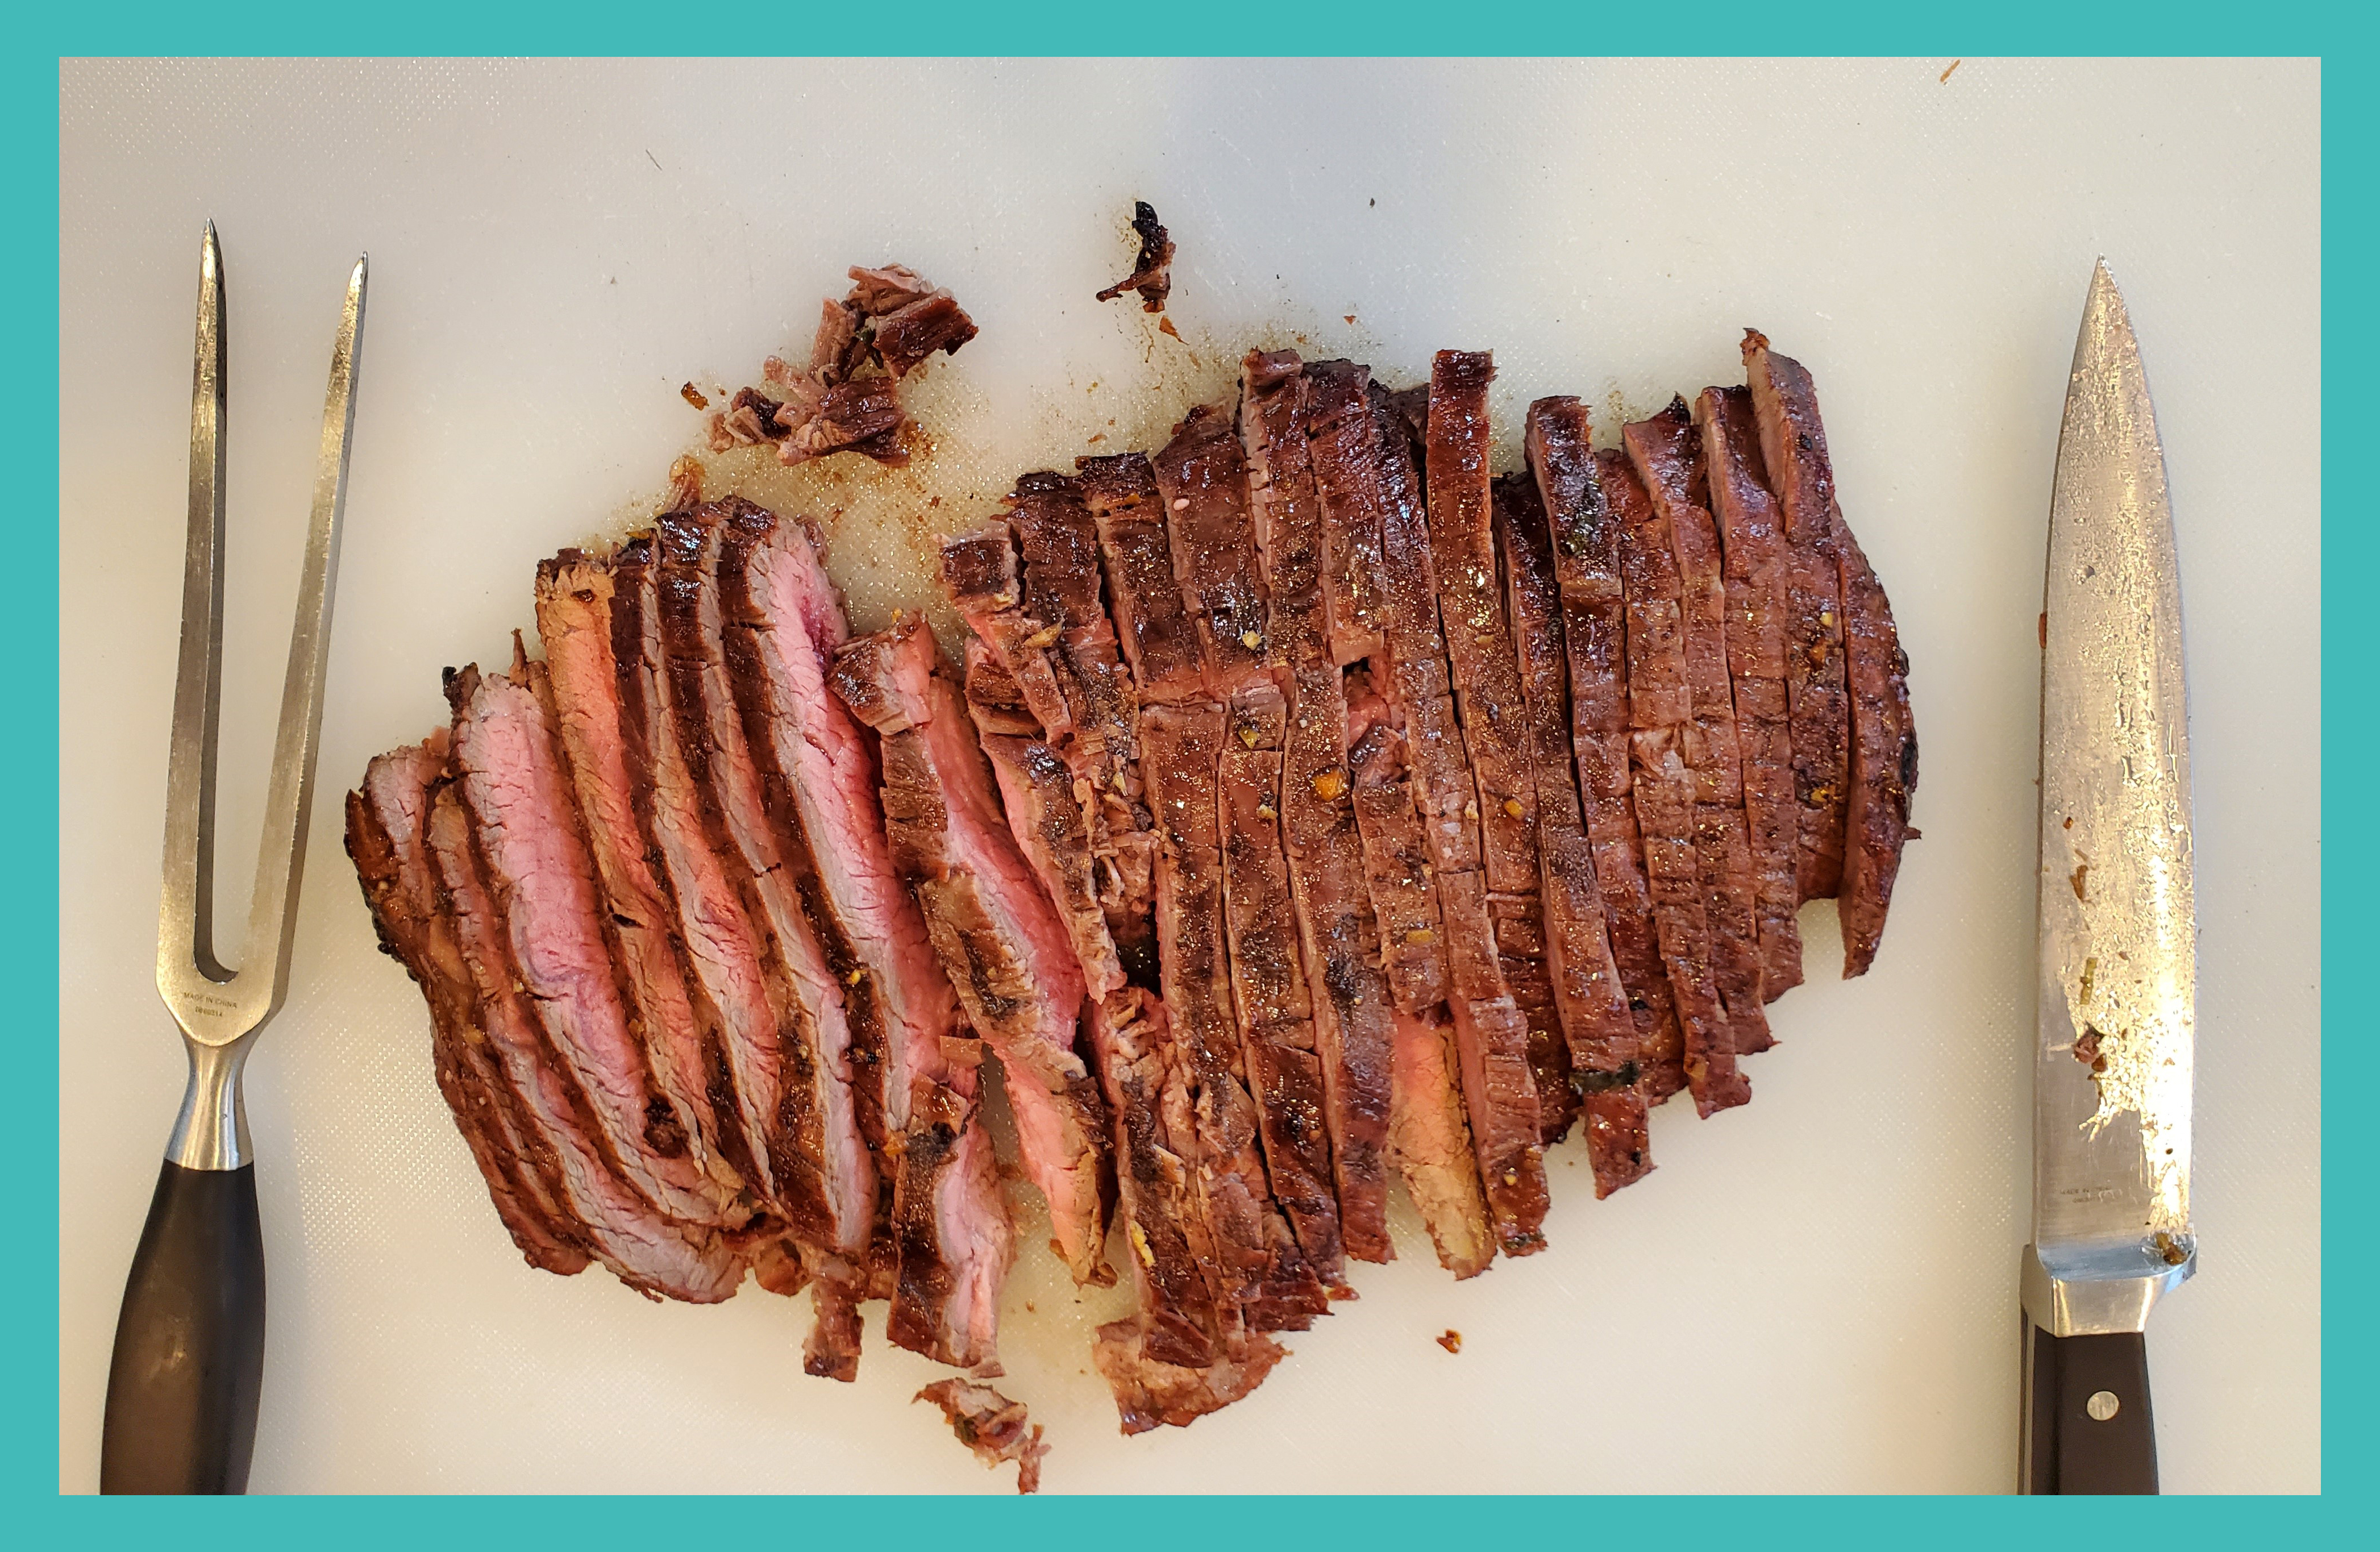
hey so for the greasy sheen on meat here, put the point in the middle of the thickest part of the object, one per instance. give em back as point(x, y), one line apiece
point(1587, 992)
point(1662, 787)
point(1430, 666)
point(1793, 449)
point(1348, 994)
point(993, 929)
point(1750, 540)
point(944, 1242)
point(1667, 457)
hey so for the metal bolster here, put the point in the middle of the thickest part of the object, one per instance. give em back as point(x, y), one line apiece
point(2102, 1293)
point(211, 1131)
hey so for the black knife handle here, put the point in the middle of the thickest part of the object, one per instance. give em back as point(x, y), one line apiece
point(190, 1344)
point(2089, 1428)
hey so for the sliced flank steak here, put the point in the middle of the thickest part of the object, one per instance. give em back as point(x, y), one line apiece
point(1347, 991)
point(1665, 452)
point(659, 1256)
point(914, 1063)
point(1750, 540)
point(1494, 710)
point(1586, 539)
point(1884, 757)
point(508, 776)
point(1793, 449)
point(1592, 1004)
point(387, 824)
point(994, 930)
point(1662, 787)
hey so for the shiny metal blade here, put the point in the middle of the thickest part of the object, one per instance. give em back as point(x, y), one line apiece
point(185, 912)
point(2113, 1057)
point(281, 855)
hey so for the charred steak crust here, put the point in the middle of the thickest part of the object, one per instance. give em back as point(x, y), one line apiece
point(1750, 542)
point(1588, 996)
point(1152, 271)
point(1661, 788)
point(1476, 652)
point(1347, 991)
point(1665, 451)
point(1793, 449)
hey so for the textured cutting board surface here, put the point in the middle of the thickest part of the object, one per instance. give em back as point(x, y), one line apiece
point(1814, 1292)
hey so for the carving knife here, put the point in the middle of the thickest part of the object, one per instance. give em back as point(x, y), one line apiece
point(2112, 1054)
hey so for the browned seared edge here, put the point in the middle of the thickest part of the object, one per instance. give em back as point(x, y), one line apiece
point(1202, 478)
point(1586, 538)
point(994, 929)
point(1668, 458)
point(1750, 542)
point(1884, 757)
point(1661, 788)
point(1794, 447)
point(1347, 991)
point(1586, 985)
point(386, 819)
point(1499, 1042)
point(817, 1130)
point(1140, 1070)
point(1359, 463)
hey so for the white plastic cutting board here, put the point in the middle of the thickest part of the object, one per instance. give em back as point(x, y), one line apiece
point(1815, 1292)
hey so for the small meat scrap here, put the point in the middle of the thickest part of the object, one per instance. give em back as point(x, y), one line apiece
point(991, 1425)
point(1451, 1339)
point(1152, 273)
point(889, 324)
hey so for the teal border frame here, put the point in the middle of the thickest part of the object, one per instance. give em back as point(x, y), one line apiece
point(29, 860)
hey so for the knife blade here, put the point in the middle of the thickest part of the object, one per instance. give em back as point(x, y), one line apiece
point(2112, 1058)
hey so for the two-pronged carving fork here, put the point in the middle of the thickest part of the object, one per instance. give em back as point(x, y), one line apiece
point(189, 1345)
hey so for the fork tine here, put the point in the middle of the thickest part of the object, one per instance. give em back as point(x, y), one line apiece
point(281, 854)
point(185, 914)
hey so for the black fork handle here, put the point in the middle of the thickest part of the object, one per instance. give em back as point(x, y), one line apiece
point(189, 1345)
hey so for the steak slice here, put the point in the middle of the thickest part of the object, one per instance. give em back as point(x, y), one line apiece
point(938, 1197)
point(510, 781)
point(1494, 712)
point(1255, 1260)
point(582, 682)
point(1269, 981)
point(1155, 628)
point(1588, 996)
point(387, 818)
point(1668, 458)
point(1202, 474)
point(995, 932)
point(1749, 541)
point(1146, 1093)
point(1509, 1116)
point(1344, 452)
point(1794, 447)
point(659, 1256)
point(1348, 993)
point(818, 1116)
point(1884, 756)
point(1396, 852)
point(1586, 539)
point(1661, 788)
point(1151, 1393)
point(723, 948)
